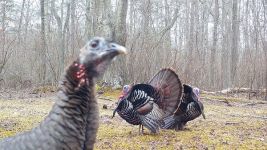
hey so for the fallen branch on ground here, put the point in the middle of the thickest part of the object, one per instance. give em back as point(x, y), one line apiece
point(252, 104)
point(218, 100)
point(104, 98)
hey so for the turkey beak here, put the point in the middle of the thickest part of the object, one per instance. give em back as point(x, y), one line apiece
point(104, 60)
point(112, 51)
point(116, 47)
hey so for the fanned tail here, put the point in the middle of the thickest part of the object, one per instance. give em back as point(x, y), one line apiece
point(170, 87)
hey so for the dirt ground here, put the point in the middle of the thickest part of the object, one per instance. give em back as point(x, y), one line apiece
point(231, 123)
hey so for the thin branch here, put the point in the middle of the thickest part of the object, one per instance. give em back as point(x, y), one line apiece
point(53, 9)
point(168, 27)
point(67, 18)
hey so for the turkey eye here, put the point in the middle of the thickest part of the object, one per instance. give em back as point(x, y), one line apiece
point(94, 44)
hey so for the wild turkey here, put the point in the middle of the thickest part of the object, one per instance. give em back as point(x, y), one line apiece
point(73, 121)
point(147, 104)
point(189, 109)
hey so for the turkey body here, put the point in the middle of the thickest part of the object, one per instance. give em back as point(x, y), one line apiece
point(64, 127)
point(140, 107)
point(73, 121)
point(128, 113)
point(147, 104)
point(189, 109)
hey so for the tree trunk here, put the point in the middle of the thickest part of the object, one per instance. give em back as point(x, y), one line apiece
point(167, 20)
point(43, 44)
point(88, 19)
point(213, 61)
point(265, 48)
point(190, 41)
point(21, 18)
point(120, 29)
point(3, 54)
point(72, 27)
point(61, 32)
point(225, 57)
point(96, 17)
point(234, 43)
point(265, 44)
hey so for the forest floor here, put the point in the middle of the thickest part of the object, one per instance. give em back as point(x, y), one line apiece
point(231, 123)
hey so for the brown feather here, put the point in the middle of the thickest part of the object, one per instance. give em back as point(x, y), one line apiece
point(170, 87)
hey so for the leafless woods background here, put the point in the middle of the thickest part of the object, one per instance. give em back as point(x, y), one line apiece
point(213, 44)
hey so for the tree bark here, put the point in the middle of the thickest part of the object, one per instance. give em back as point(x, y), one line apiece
point(88, 19)
point(234, 43)
point(4, 53)
point(213, 61)
point(225, 57)
point(21, 18)
point(265, 48)
point(62, 28)
point(190, 41)
point(120, 35)
point(72, 26)
point(265, 43)
point(43, 44)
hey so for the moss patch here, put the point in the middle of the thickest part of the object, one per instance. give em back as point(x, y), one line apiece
point(226, 127)
point(21, 115)
point(112, 94)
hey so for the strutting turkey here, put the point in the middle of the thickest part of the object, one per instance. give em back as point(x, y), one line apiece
point(189, 109)
point(147, 104)
point(73, 121)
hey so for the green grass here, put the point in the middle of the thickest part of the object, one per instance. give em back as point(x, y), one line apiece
point(227, 127)
point(21, 115)
point(219, 131)
point(220, 97)
point(112, 94)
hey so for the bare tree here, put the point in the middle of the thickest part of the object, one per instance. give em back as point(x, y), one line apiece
point(6, 42)
point(213, 61)
point(188, 36)
point(190, 40)
point(225, 46)
point(234, 42)
point(119, 34)
point(265, 48)
point(72, 25)
point(43, 44)
point(20, 19)
point(264, 3)
point(62, 28)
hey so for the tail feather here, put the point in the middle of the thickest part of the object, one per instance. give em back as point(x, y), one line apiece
point(156, 113)
point(168, 82)
point(151, 124)
point(169, 122)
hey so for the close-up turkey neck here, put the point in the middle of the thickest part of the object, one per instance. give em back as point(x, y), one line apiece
point(73, 117)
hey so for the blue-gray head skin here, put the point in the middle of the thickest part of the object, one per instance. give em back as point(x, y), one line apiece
point(126, 89)
point(197, 93)
point(97, 55)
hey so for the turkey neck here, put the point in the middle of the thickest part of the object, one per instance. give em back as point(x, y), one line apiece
point(75, 111)
point(71, 124)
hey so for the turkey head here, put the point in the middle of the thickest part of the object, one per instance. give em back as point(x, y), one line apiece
point(97, 55)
